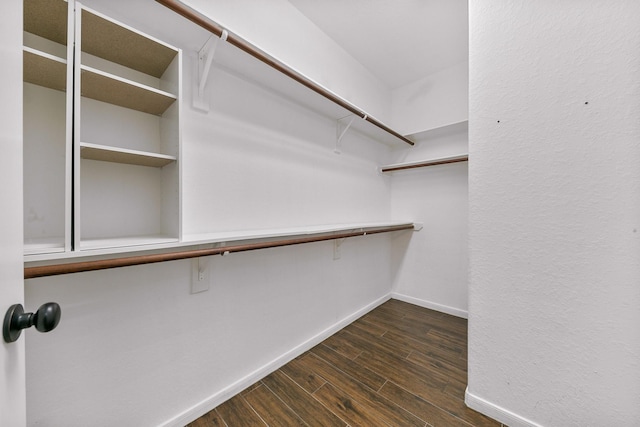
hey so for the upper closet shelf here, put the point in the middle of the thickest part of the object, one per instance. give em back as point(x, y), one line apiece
point(43, 69)
point(47, 19)
point(112, 89)
point(461, 126)
point(124, 45)
point(246, 60)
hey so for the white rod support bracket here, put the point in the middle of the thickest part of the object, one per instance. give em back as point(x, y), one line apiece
point(205, 59)
point(341, 130)
point(200, 275)
point(337, 248)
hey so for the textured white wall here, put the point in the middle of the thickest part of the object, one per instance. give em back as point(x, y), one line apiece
point(554, 186)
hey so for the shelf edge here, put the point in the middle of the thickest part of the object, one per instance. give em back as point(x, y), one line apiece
point(127, 81)
point(124, 155)
point(85, 261)
point(424, 163)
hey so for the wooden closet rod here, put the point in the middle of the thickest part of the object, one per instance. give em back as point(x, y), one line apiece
point(426, 163)
point(247, 47)
point(77, 267)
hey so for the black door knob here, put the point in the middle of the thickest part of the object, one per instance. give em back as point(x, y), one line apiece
point(45, 319)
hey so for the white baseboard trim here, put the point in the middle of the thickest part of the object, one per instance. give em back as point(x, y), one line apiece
point(431, 305)
point(496, 412)
point(225, 394)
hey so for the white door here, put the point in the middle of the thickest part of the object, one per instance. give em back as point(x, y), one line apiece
point(12, 364)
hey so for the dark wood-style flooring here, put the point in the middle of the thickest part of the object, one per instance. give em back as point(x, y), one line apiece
point(399, 365)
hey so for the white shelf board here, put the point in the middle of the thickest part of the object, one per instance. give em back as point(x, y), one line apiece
point(432, 132)
point(117, 242)
point(237, 62)
point(47, 18)
point(122, 155)
point(33, 246)
point(242, 235)
point(111, 248)
point(426, 162)
point(106, 87)
point(124, 45)
point(44, 69)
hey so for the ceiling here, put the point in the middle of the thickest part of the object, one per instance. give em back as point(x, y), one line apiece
point(398, 41)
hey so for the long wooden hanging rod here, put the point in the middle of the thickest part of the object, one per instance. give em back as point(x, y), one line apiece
point(213, 27)
point(77, 267)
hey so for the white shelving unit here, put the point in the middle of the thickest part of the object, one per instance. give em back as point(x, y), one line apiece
point(47, 110)
point(101, 133)
point(126, 128)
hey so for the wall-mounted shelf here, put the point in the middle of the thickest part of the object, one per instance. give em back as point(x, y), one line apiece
point(198, 246)
point(47, 19)
point(122, 155)
point(105, 39)
point(125, 242)
point(43, 69)
point(246, 60)
point(109, 88)
point(461, 125)
point(424, 163)
point(43, 246)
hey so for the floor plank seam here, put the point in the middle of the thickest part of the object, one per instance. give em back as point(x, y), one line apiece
point(254, 409)
point(285, 403)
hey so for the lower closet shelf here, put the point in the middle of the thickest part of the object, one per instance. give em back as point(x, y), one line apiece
point(212, 244)
point(122, 155)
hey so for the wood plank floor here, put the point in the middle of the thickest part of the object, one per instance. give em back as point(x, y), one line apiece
point(399, 365)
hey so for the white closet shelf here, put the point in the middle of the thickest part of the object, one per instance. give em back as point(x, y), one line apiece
point(47, 18)
point(423, 163)
point(124, 45)
point(107, 153)
point(248, 61)
point(112, 89)
point(244, 235)
point(304, 92)
point(106, 249)
point(43, 69)
point(45, 245)
point(461, 125)
point(107, 244)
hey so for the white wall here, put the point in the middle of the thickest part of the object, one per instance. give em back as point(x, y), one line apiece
point(431, 265)
point(554, 187)
point(436, 100)
point(431, 268)
point(134, 347)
